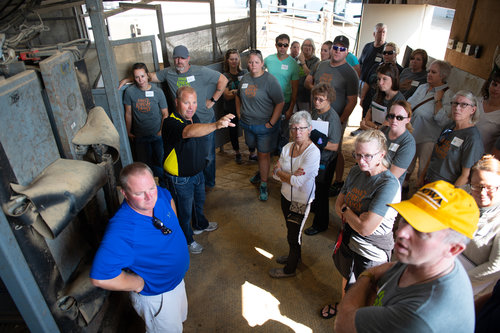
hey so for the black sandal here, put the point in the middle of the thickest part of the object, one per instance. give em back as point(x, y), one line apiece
point(329, 314)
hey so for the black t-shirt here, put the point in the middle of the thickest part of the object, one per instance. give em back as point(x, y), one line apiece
point(183, 157)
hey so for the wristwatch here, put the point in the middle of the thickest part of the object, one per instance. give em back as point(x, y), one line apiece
point(213, 99)
point(344, 209)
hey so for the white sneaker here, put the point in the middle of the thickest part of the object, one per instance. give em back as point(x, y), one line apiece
point(211, 227)
point(195, 248)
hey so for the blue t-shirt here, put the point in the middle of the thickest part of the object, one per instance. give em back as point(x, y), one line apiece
point(285, 71)
point(131, 242)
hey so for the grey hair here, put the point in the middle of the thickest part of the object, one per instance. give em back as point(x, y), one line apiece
point(301, 115)
point(470, 96)
point(444, 69)
point(454, 237)
point(379, 26)
point(312, 43)
point(377, 137)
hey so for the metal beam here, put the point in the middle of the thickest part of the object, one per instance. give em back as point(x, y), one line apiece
point(253, 24)
point(107, 63)
point(21, 284)
point(214, 30)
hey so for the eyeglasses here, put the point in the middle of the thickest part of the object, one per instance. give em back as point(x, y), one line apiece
point(366, 157)
point(480, 188)
point(319, 99)
point(443, 136)
point(388, 52)
point(339, 48)
point(462, 105)
point(298, 129)
point(160, 226)
point(392, 116)
point(282, 44)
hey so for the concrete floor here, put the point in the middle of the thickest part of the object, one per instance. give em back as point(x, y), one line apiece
point(228, 285)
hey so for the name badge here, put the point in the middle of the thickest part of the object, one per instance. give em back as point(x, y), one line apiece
point(457, 142)
point(378, 59)
point(240, 77)
point(150, 93)
point(414, 83)
point(284, 67)
point(393, 147)
point(244, 86)
point(190, 78)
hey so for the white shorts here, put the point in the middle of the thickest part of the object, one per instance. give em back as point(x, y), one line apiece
point(164, 312)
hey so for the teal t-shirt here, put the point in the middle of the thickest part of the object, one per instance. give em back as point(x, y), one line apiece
point(285, 71)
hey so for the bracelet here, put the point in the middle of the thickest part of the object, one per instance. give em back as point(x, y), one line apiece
point(368, 275)
point(343, 210)
point(269, 122)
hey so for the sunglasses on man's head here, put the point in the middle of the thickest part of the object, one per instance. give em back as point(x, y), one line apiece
point(339, 48)
point(282, 45)
point(388, 52)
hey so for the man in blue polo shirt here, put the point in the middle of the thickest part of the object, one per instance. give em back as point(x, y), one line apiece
point(144, 251)
point(186, 146)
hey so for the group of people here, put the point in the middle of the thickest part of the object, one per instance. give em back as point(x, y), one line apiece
point(407, 251)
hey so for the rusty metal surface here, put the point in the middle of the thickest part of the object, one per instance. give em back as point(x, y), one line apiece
point(25, 132)
point(63, 90)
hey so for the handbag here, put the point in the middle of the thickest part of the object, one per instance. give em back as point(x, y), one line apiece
point(297, 210)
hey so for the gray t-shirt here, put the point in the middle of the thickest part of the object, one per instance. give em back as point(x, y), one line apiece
point(304, 94)
point(364, 193)
point(443, 305)
point(202, 79)
point(343, 79)
point(259, 96)
point(383, 107)
point(455, 150)
point(400, 152)
point(334, 131)
point(146, 109)
point(415, 80)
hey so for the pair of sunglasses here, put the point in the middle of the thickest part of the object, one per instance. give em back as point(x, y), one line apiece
point(339, 48)
point(282, 45)
point(158, 224)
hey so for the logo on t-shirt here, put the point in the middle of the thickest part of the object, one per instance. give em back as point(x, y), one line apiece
point(353, 198)
point(326, 78)
point(182, 81)
point(251, 90)
point(143, 105)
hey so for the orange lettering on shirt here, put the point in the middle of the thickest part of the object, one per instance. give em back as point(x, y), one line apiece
point(143, 105)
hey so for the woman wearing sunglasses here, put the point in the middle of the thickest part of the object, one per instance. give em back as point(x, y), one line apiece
point(369, 87)
point(481, 258)
point(366, 238)
point(259, 102)
point(459, 146)
point(387, 93)
point(400, 142)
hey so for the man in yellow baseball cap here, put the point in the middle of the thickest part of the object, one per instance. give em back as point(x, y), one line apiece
point(427, 289)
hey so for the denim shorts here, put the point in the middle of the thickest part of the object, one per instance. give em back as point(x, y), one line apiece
point(260, 137)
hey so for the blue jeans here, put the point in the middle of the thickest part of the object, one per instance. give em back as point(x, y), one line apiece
point(209, 171)
point(189, 197)
point(149, 150)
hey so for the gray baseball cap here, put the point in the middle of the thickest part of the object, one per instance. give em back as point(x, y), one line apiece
point(181, 51)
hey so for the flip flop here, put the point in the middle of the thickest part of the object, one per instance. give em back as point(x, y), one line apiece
point(330, 314)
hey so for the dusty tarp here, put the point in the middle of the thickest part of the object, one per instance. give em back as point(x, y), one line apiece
point(99, 130)
point(55, 197)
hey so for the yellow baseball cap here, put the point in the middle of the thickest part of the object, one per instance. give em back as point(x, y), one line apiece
point(438, 206)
